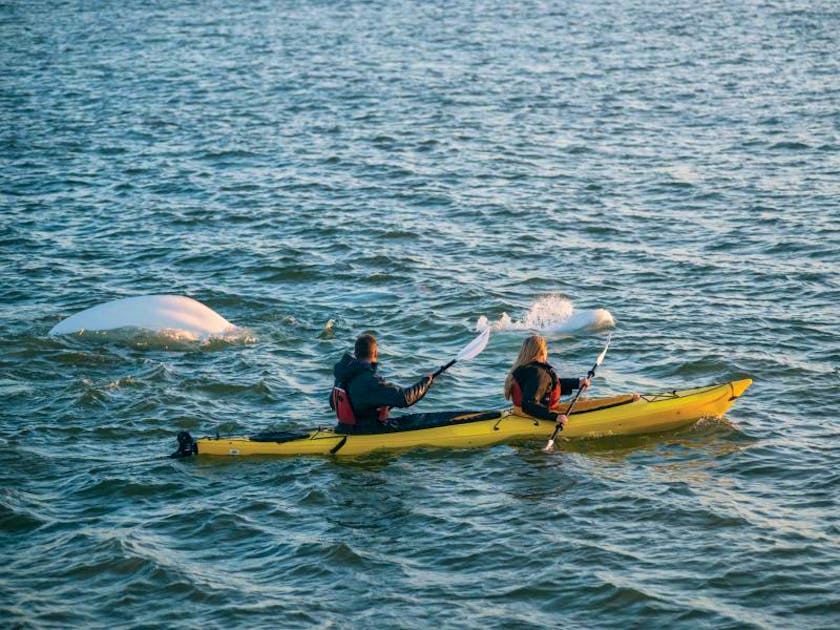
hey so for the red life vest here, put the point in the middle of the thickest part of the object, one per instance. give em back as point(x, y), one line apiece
point(550, 400)
point(344, 408)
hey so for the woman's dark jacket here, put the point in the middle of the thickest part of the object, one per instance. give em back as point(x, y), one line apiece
point(536, 380)
point(369, 391)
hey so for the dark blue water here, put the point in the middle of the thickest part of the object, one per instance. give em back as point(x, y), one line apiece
point(407, 168)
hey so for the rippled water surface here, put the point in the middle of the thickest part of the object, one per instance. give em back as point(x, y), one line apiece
point(409, 168)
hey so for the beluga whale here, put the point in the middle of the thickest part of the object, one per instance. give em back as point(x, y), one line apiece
point(174, 314)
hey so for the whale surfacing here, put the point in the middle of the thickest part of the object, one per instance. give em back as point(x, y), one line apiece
point(158, 313)
point(552, 314)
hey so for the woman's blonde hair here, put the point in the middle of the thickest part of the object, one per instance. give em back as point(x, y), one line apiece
point(533, 349)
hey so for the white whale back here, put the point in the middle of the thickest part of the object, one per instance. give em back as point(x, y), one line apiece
point(157, 313)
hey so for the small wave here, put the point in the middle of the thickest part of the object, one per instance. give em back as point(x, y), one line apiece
point(682, 173)
point(553, 314)
point(790, 145)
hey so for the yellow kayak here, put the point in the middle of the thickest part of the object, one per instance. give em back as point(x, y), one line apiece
point(594, 417)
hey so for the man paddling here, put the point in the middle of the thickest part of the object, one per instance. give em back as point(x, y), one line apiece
point(361, 398)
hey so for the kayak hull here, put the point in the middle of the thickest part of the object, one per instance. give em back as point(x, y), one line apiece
point(598, 417)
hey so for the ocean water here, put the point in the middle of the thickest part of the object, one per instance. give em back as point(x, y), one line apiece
point(312, 170)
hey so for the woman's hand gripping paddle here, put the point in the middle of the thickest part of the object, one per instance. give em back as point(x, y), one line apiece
point(559, 427)
point(470, 351)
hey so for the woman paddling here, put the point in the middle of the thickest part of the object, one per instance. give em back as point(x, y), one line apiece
point(533, 385)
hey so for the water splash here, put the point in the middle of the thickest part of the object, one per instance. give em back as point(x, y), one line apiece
point(175, 317)
point(554, 314)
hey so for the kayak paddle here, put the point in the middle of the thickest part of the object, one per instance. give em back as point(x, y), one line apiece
point(470, 351)
point(558, 427)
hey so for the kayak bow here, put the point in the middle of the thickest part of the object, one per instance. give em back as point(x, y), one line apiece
point(594, 417)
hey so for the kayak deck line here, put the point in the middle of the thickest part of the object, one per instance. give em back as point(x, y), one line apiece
point(594, 417)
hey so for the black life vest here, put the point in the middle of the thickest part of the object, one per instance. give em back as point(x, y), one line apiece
point(550, 400)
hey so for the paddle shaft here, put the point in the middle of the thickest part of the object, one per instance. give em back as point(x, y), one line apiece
point(443, 368)
point(590, 374)
point(558, 427)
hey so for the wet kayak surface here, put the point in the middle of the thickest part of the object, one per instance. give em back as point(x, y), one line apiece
point(310, 172)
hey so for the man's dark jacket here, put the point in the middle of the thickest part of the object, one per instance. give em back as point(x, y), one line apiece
point(369, 391)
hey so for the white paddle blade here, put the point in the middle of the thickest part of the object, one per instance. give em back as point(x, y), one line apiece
point(475, 347)
point(604, 353)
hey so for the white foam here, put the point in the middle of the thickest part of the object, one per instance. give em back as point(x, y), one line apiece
point(175, 315)
point(553, 314)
